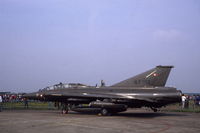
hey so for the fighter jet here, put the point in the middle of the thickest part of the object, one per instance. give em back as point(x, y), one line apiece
point(144, 90)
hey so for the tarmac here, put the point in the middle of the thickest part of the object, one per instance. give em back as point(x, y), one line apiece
point(132, 121)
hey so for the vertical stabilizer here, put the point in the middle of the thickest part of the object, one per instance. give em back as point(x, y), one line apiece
point(155, 77)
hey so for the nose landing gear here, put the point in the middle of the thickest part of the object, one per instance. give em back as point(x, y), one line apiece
point(65, 108)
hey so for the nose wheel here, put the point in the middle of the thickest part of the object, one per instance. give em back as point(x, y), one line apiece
point(65, 109)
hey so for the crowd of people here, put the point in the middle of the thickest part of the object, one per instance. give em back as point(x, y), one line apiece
point(194, 100)
point(5, 98)
point(11, 97)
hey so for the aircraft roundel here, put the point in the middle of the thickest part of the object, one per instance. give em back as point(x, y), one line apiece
point(155, 74)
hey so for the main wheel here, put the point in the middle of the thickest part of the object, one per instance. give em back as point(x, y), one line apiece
point(104, 112)
point(154, 109)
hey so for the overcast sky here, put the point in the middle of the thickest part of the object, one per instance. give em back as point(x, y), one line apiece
point(43, 42)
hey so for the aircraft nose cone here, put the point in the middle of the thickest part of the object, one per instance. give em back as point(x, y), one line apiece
point(28, 95)
point(34, 96)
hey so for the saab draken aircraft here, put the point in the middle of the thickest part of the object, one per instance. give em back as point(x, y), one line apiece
point(144, 90)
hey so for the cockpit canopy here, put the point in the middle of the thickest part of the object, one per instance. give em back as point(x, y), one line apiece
point(64, 86)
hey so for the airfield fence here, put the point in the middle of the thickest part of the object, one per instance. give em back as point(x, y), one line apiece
point(37, 105)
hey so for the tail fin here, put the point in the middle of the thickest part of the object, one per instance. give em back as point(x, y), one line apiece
point(155, 77)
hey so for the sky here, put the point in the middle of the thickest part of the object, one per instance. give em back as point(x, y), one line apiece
point(46, 42)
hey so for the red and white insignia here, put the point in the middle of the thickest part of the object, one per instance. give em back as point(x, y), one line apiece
point(155, 74)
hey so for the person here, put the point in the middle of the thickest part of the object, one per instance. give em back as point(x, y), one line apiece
point(198, 100)
point(26, 103)
point(1, 101)
point(193, 101)
point(102, 83)
point(183, 101)
point(187, 101)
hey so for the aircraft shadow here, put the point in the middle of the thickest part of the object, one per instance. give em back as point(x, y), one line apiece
point(136, 114)
point(149, 114)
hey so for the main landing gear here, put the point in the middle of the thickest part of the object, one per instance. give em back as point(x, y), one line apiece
point(104, 112)
point(154, 109)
